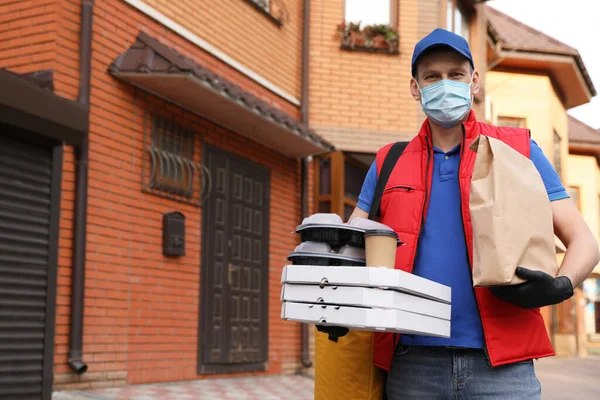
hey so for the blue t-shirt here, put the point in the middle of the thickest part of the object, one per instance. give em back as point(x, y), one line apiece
point(442, 252)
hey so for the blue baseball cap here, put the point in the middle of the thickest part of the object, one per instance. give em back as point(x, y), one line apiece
point(441, 38)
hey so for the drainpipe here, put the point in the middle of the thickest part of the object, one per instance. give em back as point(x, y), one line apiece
point(75, 360)
point(305, 358)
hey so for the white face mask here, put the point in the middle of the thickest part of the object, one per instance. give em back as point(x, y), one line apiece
point(446, 102)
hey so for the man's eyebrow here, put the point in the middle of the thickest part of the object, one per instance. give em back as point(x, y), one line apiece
point(460, 68)
point(429, 71)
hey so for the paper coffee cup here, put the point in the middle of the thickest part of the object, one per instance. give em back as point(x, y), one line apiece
point(380, 248)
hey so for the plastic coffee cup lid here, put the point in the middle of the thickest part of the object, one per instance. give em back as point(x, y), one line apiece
point(381, 232)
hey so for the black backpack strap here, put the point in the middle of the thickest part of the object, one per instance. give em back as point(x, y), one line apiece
point(388, 165)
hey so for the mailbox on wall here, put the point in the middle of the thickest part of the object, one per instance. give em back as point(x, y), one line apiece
point(174, 234)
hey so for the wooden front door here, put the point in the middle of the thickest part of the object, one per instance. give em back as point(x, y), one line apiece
point(235, 266)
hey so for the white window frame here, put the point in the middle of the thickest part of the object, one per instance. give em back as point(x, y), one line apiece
point(455, 14)
point(393, 11)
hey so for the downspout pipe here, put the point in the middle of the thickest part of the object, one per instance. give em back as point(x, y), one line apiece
point(75, 358)
point(304, 333)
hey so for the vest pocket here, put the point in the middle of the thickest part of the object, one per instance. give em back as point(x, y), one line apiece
point(396, 188)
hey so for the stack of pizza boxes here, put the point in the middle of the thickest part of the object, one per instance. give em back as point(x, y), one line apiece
point(342, 274)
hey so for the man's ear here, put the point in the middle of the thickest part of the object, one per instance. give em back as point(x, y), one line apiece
point(414, 90)
point(476, 83)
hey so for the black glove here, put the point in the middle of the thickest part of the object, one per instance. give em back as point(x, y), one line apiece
point(540, 289)
point(334, 332)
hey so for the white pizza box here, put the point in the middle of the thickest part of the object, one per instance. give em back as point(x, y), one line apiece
point(377, 277)
point(366, 319)
point(364, 297)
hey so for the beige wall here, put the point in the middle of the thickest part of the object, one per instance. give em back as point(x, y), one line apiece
point(583, 173)
point(531, 97)
point(243, 33)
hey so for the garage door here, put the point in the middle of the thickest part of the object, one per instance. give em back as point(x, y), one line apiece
point(29, 199)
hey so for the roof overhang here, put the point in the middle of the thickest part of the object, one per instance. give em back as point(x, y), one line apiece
point(471, 4)
point(585, 149)
point(564, 70)
point(159, 70)
point(26, 105)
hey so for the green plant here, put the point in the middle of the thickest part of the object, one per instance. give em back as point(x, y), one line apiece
point(354, 27)
point(377, 30)
point(377, 36)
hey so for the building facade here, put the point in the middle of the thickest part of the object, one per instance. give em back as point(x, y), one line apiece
point(156, 156)
point(167, 220)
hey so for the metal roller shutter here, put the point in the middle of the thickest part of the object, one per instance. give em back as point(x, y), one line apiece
point(26, 283)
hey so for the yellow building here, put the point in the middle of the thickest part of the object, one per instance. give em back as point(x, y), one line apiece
point(584, 183)
point(532, 81)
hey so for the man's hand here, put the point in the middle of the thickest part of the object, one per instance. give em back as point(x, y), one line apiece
point(334, 332)
point(540, 289)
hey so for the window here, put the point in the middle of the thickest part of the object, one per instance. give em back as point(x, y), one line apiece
point(370, 26)
point(557, 154)
point(371, 12)
point(354, 175)
point(574, 193)
point(512, 122)
point(457, 20)
point(591, 292)
point(274, 10)
point(168, 166)
point(338, 182)
point(325, 176)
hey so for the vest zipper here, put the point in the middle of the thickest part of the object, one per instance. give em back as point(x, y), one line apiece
point(462, 148)
point(426, 196)
point(407, 188)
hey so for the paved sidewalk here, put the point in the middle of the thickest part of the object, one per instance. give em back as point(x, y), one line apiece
point(569, 378)
point(295, 387)
point(561, 378)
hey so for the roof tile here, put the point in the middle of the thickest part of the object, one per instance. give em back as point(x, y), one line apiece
point(582, 133)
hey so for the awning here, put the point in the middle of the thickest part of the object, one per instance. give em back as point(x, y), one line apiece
point(28, 102)
point(160, 70)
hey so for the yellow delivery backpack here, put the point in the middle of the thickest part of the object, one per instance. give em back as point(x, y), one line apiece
point(344, 370)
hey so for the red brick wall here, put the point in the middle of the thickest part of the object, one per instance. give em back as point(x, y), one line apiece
point(28, 31)
point(141, 309)
point(243, 33)
point(360, 101)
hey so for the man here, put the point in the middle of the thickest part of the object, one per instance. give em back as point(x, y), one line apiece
point(497, 333)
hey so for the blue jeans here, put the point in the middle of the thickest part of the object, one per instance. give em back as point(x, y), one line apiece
point(440, 373)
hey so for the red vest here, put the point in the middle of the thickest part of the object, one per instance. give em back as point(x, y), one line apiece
point(511, 333)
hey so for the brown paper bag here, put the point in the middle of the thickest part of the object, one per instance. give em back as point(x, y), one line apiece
point(511, 216)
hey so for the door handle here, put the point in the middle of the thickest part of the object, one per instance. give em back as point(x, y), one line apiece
point(229, 278)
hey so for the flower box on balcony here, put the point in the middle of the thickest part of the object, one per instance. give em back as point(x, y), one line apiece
point(371, 38)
